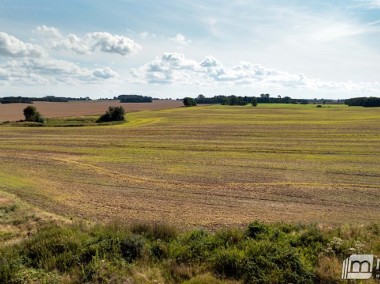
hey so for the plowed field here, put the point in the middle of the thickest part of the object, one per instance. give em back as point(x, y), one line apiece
point(207, 165)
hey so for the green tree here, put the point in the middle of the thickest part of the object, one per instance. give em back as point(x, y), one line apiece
point(113, 114)
point(254, 102)
point(188, 102)
point(31, 114)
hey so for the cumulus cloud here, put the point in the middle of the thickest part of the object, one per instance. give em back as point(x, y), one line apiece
point(112, 43)
point(10, 46)
point(90, 42)
point(176, 68)
point(105, 73)
point(181, 40)
point(51, 71)
point(103, 41)
point(166, 69)
point(48, 31)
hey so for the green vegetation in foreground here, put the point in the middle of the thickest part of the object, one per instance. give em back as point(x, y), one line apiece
point(154, 253)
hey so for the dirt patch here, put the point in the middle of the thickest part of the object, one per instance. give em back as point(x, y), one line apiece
point(4, 202)
point(14, 112)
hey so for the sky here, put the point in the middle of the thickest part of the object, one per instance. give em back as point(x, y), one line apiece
point(172, 49)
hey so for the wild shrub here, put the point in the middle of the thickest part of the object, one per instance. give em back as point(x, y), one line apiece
point(159, 249)
point(53, 248)
point(255, 229)
point(229, 237)
point(131, 247)
point(31, 114)
point(9, 264)
point(153, 231)
point(229, 262)
point(113, 114)
point(194, 246)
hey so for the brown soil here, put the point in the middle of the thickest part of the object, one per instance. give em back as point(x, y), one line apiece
point(14, 112)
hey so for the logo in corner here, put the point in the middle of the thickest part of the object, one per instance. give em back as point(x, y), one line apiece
point(358, 266)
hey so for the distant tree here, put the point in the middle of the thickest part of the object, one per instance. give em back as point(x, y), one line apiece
point(254, 102)
point(233, 100)
point(363, 101)
point(134, 99)
point(188, 102)
point(31, 114)
point(265, 98)
point(226, 101)
point(201, 97)
point(113, 114)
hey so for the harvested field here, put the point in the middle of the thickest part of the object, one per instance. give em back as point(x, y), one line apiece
point(13, 112)
point(206, 166)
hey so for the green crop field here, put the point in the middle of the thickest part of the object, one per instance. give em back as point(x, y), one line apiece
point(210, 166)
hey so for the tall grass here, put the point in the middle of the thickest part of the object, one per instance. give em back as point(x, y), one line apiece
point(260, 253)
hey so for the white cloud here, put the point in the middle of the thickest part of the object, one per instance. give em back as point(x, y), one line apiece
point(145, 35)
point(105, 73)
point(371, 4)
point(175, 68)
point(166, 69)
point(181, 40)
point(50, 71)
point(73, 43)
point(90, 42)
point(112, 43)
point(10, 46)
point(47, 31)
point(338, 30)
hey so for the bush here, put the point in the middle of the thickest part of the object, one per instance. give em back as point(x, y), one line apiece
point(53, 248)
point(131, 247)
point(155, 231)
point(256, 228)
point(113, 114)
point(31, 114)
point(188, 102)
point(229, 263)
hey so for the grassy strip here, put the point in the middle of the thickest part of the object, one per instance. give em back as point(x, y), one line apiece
point(63, 122)
point(157, 253)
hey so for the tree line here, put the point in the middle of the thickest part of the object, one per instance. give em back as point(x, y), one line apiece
point(363, 101)
point(240, 100)
point(134, 99)
point(30, 100)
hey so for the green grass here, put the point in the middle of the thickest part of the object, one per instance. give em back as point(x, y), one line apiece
point(80, 121)
point(148, 253)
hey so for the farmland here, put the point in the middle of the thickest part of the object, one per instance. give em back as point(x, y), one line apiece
point(79, 108)
point(209, 166)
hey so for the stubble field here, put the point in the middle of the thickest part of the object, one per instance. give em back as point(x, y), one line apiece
point(208, 166)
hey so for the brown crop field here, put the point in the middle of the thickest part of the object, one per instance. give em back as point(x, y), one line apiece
point(206, 166)
point(13, 112)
